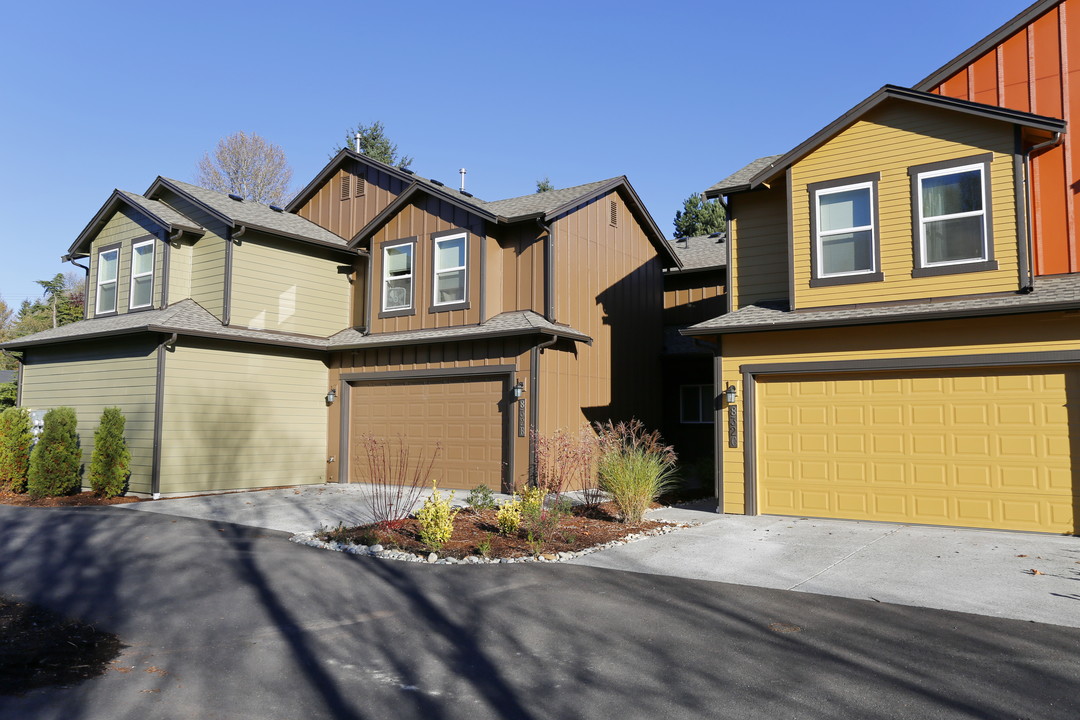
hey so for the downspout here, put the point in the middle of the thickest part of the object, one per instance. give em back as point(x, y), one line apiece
point(159, 398)
point(86, 286)
point(226, 302)
point(1056, 140)
point(534, 410)
point(549, 270)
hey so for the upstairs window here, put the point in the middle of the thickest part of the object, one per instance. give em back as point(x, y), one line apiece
point(142, 274)
point(398, 276)
point(951, 209)
point(844, 220)
point(450, 266)
point(107, 272)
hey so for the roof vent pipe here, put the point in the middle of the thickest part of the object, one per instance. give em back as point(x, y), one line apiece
point(462, 171)
point(356, 144)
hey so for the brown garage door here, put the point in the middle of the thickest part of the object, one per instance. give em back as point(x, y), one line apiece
point(462, 415)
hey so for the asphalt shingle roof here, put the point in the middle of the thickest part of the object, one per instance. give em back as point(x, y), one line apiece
point(701, 252)
point(507, 323)
point(740, 179)
point(1049, 294)
point(161, 211)
point(543, 202)
point(257, 215)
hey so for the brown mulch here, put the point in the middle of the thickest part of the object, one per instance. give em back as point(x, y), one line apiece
point(472, 529)
point(39, 648)
point(79, 500)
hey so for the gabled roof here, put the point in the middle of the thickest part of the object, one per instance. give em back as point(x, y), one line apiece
point(518, 322)
point(987, 43)
point(886, 93)
point(156, 212)
point(250, 214)
point(702, 252)
point(546, 203)
point(740, 179)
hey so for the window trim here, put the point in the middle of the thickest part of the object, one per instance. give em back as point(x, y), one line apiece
point(402, 311)
point(462, 304)
point(935, 169)
point(705, 393)
point(115, 248)
point(828, 187)
point(131, 285)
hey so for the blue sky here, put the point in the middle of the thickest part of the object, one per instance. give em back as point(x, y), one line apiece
point(675, 95)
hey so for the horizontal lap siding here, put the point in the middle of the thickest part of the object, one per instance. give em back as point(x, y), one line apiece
point(759, 255)
point(180, 254)
point(90, 377)
point(889, 141)
point(286, 286)
point(124, 227)
point(241, 419)
point(207, 264)
point(347, 217)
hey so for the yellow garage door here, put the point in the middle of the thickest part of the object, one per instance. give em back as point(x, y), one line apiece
point(462, 416)
point(974, 448)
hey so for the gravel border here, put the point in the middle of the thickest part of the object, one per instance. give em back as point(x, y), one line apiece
point(308, 538)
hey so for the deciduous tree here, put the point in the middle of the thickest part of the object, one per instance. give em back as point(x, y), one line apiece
point(249, 166)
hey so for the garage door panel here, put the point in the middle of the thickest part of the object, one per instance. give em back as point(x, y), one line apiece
point(966, 447)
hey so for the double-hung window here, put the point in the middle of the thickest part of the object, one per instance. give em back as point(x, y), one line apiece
point(844, 223)
point(449, 270)
point(142, 274)
point(951, 209)
point(108, 268)
point(398, 276)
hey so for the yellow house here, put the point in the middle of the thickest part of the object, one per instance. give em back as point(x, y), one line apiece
point(888, 352)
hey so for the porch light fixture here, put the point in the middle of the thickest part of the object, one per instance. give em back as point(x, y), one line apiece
point(331, 396)
point(519, 390)
point(730, 394)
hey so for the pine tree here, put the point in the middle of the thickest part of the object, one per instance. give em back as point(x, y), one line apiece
point(15, 441)
point(699, 217)
point(375, 143)
point(110, 461)
point(55, 459)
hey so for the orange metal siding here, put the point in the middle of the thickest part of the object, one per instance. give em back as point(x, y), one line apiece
point(1034, 71)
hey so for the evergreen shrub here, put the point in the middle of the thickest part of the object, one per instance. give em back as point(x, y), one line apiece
point(55, 459)
point(110, 462)
point(16, 438)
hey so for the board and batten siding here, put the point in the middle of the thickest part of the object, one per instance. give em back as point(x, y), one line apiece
point(90, 377)
point(237, 418)
point(125, 227)
point(285, 286)
point(889, 140)
point(759, 253)
point(345, 214)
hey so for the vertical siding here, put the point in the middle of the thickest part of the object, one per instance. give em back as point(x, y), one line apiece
point(348, 217)
point(125, 227)
point(207, 255)
point(522, 268)
point(241, 418)
point(502, 351)
point(759, 254)
point(92, 376)
point(1036, 70)
point(287, 286)
point(608, 284)
point(693, 297)
point(420, 219)
point(890, 140)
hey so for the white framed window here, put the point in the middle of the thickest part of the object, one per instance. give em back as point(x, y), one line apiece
point(398, 276)
point(952, 216)
point(696, 404)
point(142, 275)
point(844, 234)
point(107, 272)
point(450, 269)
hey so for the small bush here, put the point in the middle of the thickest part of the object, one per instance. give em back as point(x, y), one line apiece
point(634, 466)
point(110, 461)
point(532, 501)
point(55, 459)
point(15, 441)
point(436, 518)
point(565, 460)
point(508, 516)
point(481, 498)
point(397, 476)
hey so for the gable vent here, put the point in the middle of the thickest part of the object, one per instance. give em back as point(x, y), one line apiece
point(346, 192)
point(360, 186)
point(614, 213)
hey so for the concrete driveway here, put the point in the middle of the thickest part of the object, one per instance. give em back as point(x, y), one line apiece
point(1024, 576)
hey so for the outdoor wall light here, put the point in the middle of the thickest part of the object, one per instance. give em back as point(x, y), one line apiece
point(519, 390)
point(730, 394)
point(331, 396)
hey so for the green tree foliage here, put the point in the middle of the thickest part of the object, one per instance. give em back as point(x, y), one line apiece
point(375, 144)
point(61, 303)
point(544, 184)
point(110, 462)
point(55, 459)
point(248, 165)
point(699, 217)
point(15, 440)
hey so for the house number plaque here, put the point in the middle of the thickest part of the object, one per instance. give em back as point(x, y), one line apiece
point(521, 417)
point(732, 426)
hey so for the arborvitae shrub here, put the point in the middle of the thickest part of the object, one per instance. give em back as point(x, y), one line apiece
point(110, 462)
point(55, 460)
point(15, 440)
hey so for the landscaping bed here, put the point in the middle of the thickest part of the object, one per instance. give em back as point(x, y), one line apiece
point(78, 500)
